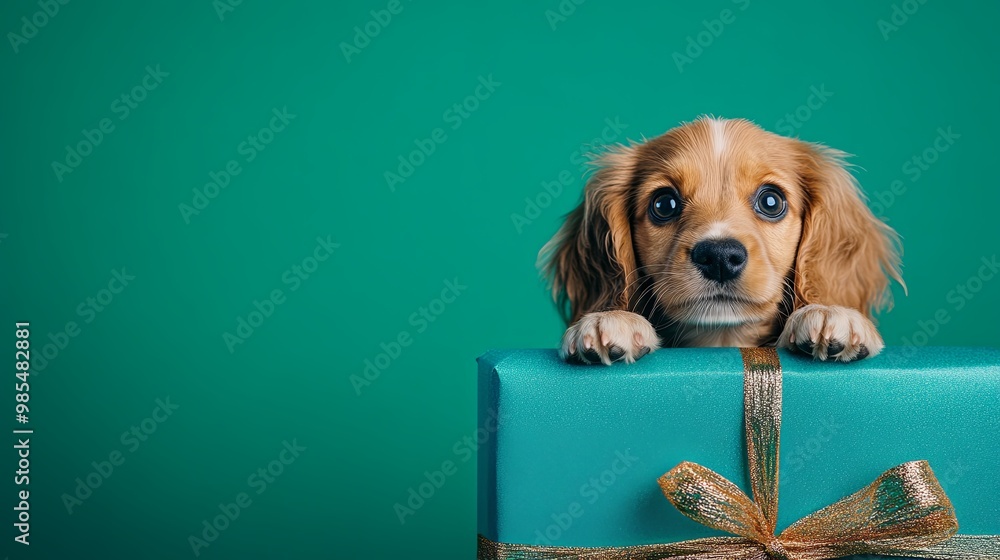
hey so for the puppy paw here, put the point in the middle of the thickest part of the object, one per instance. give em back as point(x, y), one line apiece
point(831, 333)
point(609, 336)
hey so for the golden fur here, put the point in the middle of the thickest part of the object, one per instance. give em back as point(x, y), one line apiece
point(827, 256)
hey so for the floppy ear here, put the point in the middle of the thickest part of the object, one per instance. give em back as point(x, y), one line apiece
point(846, 255)
point(590, 261)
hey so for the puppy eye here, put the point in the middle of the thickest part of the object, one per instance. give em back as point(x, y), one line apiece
point(769, 203)
point(665, 205)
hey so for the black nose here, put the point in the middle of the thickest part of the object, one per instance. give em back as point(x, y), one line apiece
point(720, 259)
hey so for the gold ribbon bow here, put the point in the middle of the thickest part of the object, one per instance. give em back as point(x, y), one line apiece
point(905, 512)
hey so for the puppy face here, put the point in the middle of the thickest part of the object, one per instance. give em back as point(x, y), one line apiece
point(717, 211)
point(719, 226)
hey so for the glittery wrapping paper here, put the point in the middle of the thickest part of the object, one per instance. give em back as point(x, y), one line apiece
point(572, 453)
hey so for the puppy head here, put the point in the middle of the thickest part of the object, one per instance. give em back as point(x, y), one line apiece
point(718, 223)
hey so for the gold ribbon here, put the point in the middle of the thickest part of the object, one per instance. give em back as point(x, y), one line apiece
point(905, 512)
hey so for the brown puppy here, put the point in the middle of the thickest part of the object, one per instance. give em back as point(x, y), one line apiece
point(721, 234)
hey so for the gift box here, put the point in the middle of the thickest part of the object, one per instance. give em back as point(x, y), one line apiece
point(571, 454)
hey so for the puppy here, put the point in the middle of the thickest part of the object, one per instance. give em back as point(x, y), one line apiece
point(718, 233)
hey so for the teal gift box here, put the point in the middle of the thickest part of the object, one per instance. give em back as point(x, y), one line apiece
point(573, 453)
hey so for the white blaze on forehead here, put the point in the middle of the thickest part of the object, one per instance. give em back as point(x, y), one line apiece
point(718, 127)
point(717, 230)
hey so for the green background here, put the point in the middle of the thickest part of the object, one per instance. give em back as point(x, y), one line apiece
point(323, 175)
